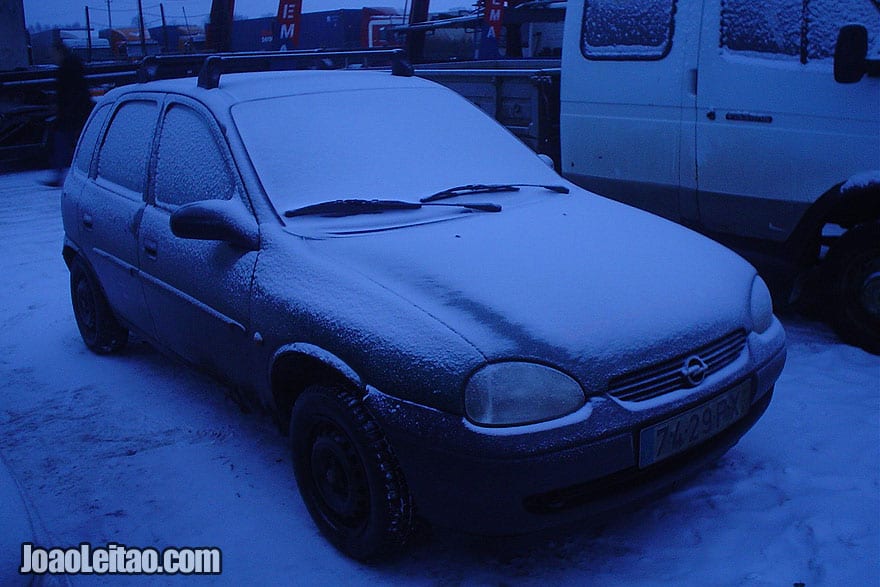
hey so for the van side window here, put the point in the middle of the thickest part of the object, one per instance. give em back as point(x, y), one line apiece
point(190, 165)
point(126, 149)
point(793, 29)
point(639, 29)
point(86, 148)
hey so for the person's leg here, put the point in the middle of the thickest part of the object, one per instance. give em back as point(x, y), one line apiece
point(61, 151)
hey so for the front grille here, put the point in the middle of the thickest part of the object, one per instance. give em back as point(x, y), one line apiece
point(665, 377)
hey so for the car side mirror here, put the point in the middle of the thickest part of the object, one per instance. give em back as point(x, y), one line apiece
point(850, 54)
point(217, 220)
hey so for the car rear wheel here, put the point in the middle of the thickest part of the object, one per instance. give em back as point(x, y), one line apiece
point(99, 329)
point(347, 474)
point(854, 287)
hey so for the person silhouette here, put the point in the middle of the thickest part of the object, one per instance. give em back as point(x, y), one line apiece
point(73, 105)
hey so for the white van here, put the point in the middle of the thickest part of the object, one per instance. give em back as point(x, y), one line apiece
point(725, 115)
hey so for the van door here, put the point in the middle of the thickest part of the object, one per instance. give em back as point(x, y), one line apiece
point(774, 130)
point(628, 97)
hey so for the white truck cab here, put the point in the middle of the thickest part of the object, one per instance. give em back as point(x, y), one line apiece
point(737, 119)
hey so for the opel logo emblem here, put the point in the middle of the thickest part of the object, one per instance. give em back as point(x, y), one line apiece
point(694, 371)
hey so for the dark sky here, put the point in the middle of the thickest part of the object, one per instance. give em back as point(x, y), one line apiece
point(66, 12)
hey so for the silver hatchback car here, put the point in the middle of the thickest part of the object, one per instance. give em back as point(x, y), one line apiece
point(445, 327)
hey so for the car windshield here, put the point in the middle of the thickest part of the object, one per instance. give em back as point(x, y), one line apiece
point(378, 144)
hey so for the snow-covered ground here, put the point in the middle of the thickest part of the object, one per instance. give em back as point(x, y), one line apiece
point(139, 450)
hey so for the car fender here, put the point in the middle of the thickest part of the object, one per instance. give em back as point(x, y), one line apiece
point(70, 250)
point(287, 379)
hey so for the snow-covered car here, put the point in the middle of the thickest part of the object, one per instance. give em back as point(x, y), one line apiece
point(445, 327)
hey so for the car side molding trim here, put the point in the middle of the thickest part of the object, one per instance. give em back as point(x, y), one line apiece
point(191, 300)
point(319, 354)
point(117, 261)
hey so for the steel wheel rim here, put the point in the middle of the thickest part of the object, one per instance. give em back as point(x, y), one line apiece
point(85, 306)
point(338, 478)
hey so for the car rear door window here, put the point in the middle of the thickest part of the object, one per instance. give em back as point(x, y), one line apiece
point(90, 135)
point(190, 163)
point(126, 149)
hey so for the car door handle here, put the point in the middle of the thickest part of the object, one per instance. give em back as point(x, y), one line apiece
point(88, 221)
point(151, 249)
point(748, 117)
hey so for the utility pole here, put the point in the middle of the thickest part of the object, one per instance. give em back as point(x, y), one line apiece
point(415, 40)
point(164, 27)
point(88, 36)
point(141, 26)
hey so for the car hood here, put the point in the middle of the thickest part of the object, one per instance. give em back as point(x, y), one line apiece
point(578, 281)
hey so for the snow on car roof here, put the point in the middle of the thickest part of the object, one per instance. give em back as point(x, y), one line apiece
point(241, 87)
point(274, 83)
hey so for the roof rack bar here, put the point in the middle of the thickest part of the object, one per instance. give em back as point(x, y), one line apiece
point(154, 67)
point(216, 65)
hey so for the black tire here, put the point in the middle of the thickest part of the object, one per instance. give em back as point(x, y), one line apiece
point(347, 474)
point(97, 325)
point(854, 286)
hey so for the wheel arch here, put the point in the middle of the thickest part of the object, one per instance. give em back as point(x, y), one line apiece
point(296, 366)
point(69, 251)
point(844, 204)
point(857, 203)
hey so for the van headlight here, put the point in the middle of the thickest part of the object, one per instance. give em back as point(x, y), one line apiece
point(761, 306)
point(507, 394)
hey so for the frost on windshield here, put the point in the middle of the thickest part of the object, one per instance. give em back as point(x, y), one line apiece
point(391, 144)
point(795, 29)
point(641, 29)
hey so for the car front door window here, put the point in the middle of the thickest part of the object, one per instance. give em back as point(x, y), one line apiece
point(198, 291)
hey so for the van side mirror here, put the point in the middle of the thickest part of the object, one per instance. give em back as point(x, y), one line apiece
point(217, 220)
point(850, 54)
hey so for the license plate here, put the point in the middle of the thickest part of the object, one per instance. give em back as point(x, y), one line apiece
point(690, 428)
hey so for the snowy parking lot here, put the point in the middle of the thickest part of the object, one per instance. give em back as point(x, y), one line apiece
point(137, 449)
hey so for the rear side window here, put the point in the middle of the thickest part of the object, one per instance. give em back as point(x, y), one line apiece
point(89, 139)
point(126, 149)
point(803, 30)
point(638, 29)
point(190, 165)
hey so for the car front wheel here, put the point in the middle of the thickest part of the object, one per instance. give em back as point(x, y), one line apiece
point(99, 329)
point(347, 474)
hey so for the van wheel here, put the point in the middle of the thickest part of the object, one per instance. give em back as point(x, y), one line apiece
point(347, 474)
point(854, 286)
point(98, 327)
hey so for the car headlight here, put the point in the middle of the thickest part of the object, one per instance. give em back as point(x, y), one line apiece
point(506, 394)
point(761, 306)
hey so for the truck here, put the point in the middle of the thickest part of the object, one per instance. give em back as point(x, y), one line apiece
point(757, 126)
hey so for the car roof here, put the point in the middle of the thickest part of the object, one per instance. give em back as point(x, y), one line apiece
point(242, 87)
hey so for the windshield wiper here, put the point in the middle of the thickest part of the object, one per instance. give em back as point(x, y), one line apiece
point(339, 208)
point(482, 188)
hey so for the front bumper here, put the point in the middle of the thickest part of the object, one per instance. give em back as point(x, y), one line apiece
point(509, 481)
